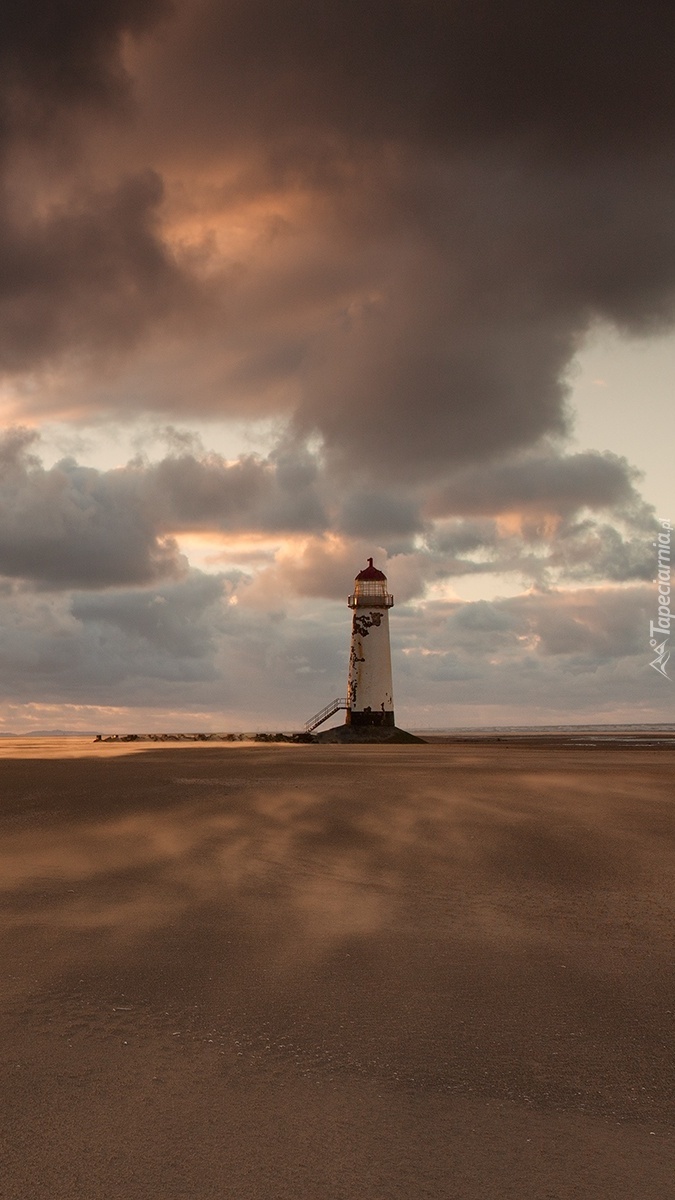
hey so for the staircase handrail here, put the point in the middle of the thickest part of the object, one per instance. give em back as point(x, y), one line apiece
point(325, 713)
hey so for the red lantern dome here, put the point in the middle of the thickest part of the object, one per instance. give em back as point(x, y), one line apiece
point(371, 573)
point(370, 589)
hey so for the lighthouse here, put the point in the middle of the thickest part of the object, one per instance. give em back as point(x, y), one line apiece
point(370, 701)
point(370, 698)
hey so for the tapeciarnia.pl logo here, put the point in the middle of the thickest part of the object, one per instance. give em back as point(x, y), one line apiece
point(661, 627)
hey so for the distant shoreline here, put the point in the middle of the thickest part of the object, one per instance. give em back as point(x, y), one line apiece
point(435, 732)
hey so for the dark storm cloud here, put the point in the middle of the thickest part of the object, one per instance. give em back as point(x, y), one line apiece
point(495, 177)
point(90, 278)
point(489, 275)
point(65, 52)
point(453, 194)
point(448, 72)
point(84, 270)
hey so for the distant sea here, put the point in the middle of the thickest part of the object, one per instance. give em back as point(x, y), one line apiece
point(52, 733)
point(661, 726)
point(438, 731)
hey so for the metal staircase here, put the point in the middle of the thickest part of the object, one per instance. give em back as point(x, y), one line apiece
point(320, 717)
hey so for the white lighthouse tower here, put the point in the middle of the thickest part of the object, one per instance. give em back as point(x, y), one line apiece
point(370, 698)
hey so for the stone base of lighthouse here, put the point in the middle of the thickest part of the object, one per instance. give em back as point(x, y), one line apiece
point(361, 735)
point(368, 719)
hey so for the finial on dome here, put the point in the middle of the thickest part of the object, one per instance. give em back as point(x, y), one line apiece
point(370, 573)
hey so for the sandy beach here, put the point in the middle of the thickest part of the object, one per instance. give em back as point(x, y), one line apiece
point(339, 973)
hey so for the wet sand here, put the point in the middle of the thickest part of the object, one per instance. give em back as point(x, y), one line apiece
point(338, 973)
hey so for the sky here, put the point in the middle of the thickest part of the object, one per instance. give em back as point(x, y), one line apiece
point(287, 285)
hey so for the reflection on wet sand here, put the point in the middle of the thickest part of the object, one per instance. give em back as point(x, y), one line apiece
point(440, 934)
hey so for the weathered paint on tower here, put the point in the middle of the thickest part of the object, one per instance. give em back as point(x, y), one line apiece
point(370, 698)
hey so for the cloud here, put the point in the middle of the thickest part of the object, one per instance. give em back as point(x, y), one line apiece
point(550, 484)
point(181, 646)
point(272, 495)
point(602, 623)
point(71, 526)
point(387, 231)
point(451, 194)
point(68, 54)
point(422, 70)
point(74, 525)
point(130, 643)
point(168, 621)
point(391, 229)
point(89, 279)
point(567, 655)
